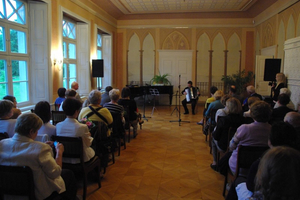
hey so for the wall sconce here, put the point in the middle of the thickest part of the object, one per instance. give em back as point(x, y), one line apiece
point(57, 62)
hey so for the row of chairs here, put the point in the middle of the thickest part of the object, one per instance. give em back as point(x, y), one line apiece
point(246, 154)
point(73, 148)
point(18, 180)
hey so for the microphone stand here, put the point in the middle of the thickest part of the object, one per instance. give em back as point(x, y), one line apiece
point(179, 115)
point(176, 103)
point(144, 117)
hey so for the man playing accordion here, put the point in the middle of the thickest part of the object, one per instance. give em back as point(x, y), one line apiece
point(191, 96)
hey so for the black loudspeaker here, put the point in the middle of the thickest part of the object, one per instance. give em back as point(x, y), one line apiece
point(272, 67)
point(97, 68)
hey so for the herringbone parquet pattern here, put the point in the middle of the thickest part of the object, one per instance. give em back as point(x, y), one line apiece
point(164, 161)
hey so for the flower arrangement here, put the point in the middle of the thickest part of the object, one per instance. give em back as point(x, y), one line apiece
point(88, 122)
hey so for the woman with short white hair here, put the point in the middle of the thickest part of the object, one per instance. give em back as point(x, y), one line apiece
point(22, 150)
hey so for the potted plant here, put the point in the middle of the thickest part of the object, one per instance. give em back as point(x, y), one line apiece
point(240, 80)
point(160, 80)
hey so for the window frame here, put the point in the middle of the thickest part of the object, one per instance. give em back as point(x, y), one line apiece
point(10, 56)
point(67, 60)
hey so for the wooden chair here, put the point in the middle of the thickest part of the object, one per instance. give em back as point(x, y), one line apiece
point(231, 132)
point(127, 120)
point(58, 116)
point(3, 135)
point(246, 156)
point(118, 131)
point(205, 119)
point(17, 181)
point(212, 125)
point(73, 148)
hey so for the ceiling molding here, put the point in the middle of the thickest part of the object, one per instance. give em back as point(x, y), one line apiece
point(96, 13)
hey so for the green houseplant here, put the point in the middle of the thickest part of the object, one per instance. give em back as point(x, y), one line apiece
point(160, 80)
point(240, 80)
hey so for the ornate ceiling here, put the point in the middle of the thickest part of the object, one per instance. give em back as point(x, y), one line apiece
point(145, 9)
point(180, 6)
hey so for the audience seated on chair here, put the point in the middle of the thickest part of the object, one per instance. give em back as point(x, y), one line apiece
point(233, 93)
point(251, 93)
point(22, 150)
point(75, 86)
point(70, 127)
point(113, 105)
point(215, 105)
point(94, 109)
point(16, 111)
point(279, 112)
point(250, 101)
point(278, 175)
point(105, 96)
point(289, 93)
point(126, 101)
point(220, 135)
point(42, 109)
point(61, 97)
point(69, 94)
point(254, 134)
point(213, 89)
point(222, 112)
point(282, 134)
point(6, 123)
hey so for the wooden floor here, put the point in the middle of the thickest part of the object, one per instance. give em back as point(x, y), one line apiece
point(164, 161)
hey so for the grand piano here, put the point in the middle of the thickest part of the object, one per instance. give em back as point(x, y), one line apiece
point(136, 91)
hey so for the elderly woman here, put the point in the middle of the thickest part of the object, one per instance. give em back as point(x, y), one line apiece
point(113, 105)
point(70, 127)
point(22, 150)
point(16, 111)
point(42, 109)
point(94, 109)
point(254, 134)
point(6, 123)
point(233, 119)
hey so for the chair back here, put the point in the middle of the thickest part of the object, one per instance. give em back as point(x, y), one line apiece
point(58, 116)
point(247, 155)
point(3, 135)
point(16, 180)
point(127, 116)
point(73, 147)
point(117, 126)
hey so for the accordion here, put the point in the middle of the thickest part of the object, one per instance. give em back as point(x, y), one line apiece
point(191, 93)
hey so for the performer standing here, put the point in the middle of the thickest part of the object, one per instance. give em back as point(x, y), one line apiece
point(192, 94)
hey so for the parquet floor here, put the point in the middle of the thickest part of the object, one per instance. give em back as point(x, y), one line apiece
point(164, 161)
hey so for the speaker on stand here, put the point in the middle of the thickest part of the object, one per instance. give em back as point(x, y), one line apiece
point(272, 67)
point(97, 71)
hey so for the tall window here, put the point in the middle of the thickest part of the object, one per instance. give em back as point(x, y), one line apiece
point(14, 50)
point(99, 55)
point(69, 52)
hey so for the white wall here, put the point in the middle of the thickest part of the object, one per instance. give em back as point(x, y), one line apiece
point(292, 67)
